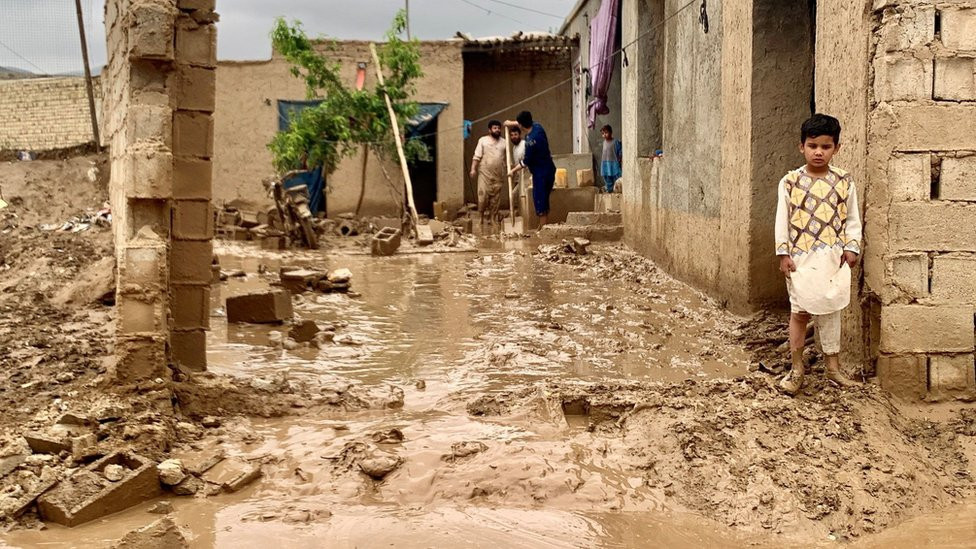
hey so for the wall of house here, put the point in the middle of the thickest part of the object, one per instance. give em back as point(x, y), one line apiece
point(578, 24)
point(494, 81)
point(689, 210)
point(920, 200)
point(247, 119)
point(46, 113)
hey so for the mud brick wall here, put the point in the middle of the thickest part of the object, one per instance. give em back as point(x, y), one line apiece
point(45, 113)
point(159, 100)
point(920, 218)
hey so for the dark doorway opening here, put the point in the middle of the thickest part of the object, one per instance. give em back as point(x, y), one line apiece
point(423, 173)
point(783, 96)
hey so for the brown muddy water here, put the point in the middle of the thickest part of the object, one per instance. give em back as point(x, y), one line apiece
point(466, 325)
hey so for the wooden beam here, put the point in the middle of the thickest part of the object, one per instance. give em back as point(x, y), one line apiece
point(396, 137)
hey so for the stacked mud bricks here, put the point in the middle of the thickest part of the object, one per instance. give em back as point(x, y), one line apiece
point(920, 262)
point(159, 100)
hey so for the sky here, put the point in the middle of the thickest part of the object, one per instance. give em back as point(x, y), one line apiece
point(42, 35)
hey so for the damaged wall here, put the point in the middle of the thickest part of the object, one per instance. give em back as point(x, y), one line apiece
point(248, 93)
point(40, 114)
point(920, 216)
point(689, 95)
point(159, 96)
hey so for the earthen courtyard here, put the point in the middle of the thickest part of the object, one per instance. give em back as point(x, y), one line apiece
point(178, 370)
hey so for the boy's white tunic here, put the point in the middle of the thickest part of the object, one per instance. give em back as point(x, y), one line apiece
point(817, 219)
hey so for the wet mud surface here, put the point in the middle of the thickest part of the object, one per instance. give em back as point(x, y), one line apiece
point(520, 396)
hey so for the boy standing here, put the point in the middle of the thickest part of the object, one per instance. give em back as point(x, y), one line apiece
point(612, 158)
point(818, 240)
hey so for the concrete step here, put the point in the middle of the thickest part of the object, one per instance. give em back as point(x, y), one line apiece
point(607, 202)
point(595, 233)
point(593, 218)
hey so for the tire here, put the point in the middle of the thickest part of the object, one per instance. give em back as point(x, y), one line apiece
point(308, 233)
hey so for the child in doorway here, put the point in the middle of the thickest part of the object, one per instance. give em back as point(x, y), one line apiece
point(612, 158)
point(818, 241)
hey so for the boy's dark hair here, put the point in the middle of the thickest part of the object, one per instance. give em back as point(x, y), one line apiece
point(524, 119)
point(514, 129)
point(820, 124)
point(606, 128)
point(493, 123)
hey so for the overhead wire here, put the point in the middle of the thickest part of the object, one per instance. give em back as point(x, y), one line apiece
point(608, 59)
point(531, 10)
point(22, 58)
point(490, 12)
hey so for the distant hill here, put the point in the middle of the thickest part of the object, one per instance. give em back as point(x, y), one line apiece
point(11, 73)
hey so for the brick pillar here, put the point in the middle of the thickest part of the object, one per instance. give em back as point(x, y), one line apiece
point(920, 235)
point(159, 100)
point(192, 215)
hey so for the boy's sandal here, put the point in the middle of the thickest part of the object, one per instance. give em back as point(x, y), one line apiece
point(789, 385)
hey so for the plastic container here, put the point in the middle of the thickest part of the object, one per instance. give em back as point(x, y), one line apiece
point(561, 178)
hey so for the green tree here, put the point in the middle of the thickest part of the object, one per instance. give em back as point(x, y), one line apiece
point(346, 119)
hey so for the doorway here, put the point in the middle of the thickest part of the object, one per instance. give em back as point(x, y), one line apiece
point(423, 173)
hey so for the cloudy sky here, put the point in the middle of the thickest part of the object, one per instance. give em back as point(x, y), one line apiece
point(41, 35)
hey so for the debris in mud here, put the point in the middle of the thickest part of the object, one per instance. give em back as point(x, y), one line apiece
point(88, 494)
point(385, 242)
point(161, 508)
point(392, 436)
point(162, 534)
point(171, 472)
point(40, 443)
point(425, 235)
point(304, 331)
point(114, 472)
point(232, 474)
point(303, 280)
point(840, 461)
point(380, 464)
point(576, 246)
point(288, 513)
point(272, 307)
point(460, 450)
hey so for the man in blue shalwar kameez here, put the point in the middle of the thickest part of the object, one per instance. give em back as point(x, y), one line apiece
point(538, 160)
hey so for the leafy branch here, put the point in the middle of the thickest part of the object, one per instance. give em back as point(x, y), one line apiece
point(346, 119)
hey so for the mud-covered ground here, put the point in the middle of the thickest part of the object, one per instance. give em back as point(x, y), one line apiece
point(515, 396)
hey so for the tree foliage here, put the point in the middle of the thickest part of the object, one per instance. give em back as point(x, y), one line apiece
point(346, 118)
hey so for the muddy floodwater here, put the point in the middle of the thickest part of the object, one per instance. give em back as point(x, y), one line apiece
point(450, 329)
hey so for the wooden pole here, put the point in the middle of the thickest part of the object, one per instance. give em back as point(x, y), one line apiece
point(508, 172)
point(407, 10)
point(396, 137)
point(88, 76)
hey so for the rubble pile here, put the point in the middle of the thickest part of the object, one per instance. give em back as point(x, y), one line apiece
point(344, 229)
point(609, 262)
point(844, 463)
point(298, 280)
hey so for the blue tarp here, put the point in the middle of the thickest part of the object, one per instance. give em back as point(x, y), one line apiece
point(290, 109)
point(313, 180)
point(425, 115)
point(287, 110)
